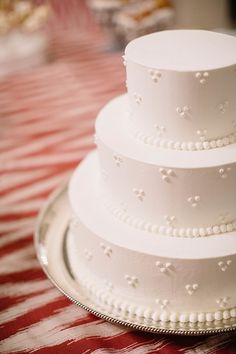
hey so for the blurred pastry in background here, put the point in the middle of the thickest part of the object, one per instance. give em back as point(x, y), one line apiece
point(22, 14)
point(128, 19)
point(105, 9)
point(23, 43)
point(143, 18)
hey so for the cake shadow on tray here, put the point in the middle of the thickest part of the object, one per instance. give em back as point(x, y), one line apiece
point(152, 240)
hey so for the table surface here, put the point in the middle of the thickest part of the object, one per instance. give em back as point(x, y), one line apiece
point(47, 124)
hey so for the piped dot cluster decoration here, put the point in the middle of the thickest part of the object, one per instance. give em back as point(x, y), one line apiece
point(139, 194)
point(106, 249)
point(191, 288)
point(88, 254)
point(158, 138)
point(118, 160)
point(167, 230)
point(111, 304)
point(160, 130)
point(124, 60)
point(108, 285)
point(164, 267)
point(224, 265)
point(223, 302)
point(202, 77)
point(184, 112)
point(131, 280)
point(95, 139)
point(194, 201)
point(123, 207)
point(223, 107)
point(202, 134)
point(137, 98)
point(204, 144)
point(224, 218)
point(162, 303)
point(224, 172)
point(167, 175)
point(170, 220)
point(155, 75)
point(104, 174)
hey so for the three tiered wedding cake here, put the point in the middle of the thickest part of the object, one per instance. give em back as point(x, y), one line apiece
point(154, 230)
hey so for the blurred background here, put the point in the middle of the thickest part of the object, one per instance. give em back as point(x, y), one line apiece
point(60, 62)
point(26, 26)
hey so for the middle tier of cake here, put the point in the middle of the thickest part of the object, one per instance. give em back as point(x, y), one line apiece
point(141, 276)
point(175, 193)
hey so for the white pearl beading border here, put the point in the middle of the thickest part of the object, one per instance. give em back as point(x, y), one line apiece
point(113, 305)
point(142, 225)
point(155, 141)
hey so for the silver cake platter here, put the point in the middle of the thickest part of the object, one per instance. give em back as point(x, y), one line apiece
point(50, 243)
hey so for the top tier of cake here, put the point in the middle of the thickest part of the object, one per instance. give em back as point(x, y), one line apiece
point(188, 103)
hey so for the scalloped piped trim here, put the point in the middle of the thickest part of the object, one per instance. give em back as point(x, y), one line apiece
point(168, 230)
point(113, 305)
point(155, 141)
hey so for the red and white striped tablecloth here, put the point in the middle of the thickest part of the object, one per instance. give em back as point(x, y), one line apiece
point(46, 128)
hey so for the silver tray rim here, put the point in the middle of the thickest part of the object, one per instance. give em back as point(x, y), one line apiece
point(40, 242)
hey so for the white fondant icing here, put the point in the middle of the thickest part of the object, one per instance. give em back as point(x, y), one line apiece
point(110, 303)
point(195, 175)
point(158, 140)
point(178, 86)
point(186, 186)
point(190, 259)
point(95, 139)
point(88, 254)
point(108, 285)
point(105, 294)
point(104, 174)
point(169, 228)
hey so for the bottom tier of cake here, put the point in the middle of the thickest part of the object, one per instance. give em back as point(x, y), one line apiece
point(142, 275)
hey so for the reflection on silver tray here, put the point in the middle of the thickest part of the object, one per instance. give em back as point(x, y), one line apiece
point(50, 243)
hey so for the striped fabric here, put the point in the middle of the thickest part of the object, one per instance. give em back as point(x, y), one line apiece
point(46, 128)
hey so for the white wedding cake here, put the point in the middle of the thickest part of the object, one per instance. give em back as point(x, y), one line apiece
point(153, 236)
